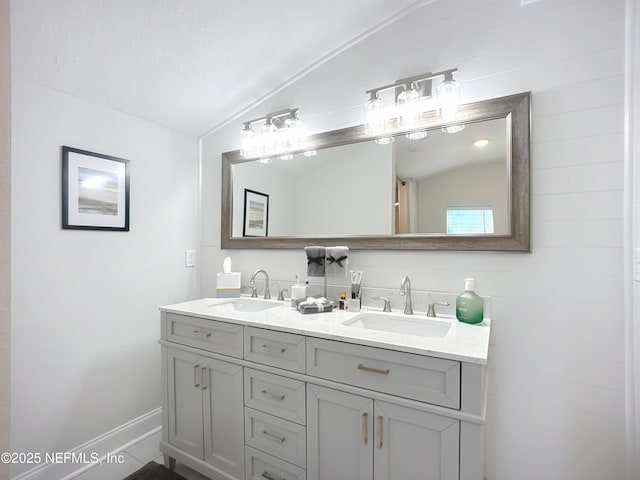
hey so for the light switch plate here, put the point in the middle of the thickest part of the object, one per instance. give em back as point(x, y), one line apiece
point(189, 258)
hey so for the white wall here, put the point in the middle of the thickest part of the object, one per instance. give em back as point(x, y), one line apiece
point(332, 198)
point(85, 319)
point(5, 229)
point(556, 392)
point(632, 235)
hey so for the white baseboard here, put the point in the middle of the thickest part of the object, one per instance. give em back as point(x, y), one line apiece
point(111, 442)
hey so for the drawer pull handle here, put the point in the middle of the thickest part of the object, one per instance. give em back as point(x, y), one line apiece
point(269, 476)
point(273, 349)
point(196, 332)
point(273, 437)
point(374, 370)
point(379, 433)
point(275, 396)
point(365, 421)
point(196, 383)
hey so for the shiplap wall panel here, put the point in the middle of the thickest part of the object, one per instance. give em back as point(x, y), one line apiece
point(556, 382)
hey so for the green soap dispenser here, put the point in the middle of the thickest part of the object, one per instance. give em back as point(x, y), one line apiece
point(469, 306)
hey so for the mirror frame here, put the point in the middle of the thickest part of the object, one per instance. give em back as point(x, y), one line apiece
point(515, 108)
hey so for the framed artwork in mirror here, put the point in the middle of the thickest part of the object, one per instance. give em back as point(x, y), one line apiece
point(256, 214)
point(95, 191)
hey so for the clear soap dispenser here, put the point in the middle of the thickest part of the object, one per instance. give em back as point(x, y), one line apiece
point(469, 306)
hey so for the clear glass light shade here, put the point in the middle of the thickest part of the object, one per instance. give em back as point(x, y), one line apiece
point(408, 107)
point(247, 142)
point(309, 153)
point(288, 156)
point(448, 97)
point(265, 160)
point(267, 141)
point(384, 140)
point(374, 116)
point(417, 135)
point(453, 128)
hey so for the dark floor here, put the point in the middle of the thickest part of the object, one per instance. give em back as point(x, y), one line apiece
point(154, 471)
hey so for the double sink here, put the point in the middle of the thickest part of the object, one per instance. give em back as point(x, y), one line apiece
point(379, 321)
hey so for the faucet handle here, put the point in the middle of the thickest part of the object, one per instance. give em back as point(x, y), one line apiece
point(254, 290)
point(387, 303)
point(281, 294)
point(431, 311)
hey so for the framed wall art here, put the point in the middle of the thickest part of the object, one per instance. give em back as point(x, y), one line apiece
point(256, 214)
point(95, 191)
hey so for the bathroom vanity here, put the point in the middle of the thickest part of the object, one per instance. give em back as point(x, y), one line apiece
point(254, 390)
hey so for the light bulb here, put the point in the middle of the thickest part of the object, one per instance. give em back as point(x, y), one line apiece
point(247, 143)
point(448, 95)
point(408, 111)
point(374, 115)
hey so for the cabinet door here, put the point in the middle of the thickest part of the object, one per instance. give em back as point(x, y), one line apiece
point(185, 401)
point(414, 445)
point(223, 408)
point(340, 435)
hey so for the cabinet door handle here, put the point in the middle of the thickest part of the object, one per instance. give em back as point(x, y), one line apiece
point(197, 332)
point(364, 430)
point(273, 349)
point(204, 375)
point(269, 476)
point(196, 383)
point(379, 432)
point(275, 396)
point(273, 437)
point(374, 370)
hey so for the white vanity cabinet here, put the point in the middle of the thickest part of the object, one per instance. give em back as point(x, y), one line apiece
point(355, 437)
point(250, 401)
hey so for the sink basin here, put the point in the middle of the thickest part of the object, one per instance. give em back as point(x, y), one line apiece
point(418, 326)
point(246, 305)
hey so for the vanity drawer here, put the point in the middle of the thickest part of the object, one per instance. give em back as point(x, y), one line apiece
point(278, 349)
point(211, 335)
point(275, 436)
point(427, 379)
point(260, 466)
point(276, 395)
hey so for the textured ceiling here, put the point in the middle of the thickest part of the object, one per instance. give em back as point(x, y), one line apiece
point(187, 64)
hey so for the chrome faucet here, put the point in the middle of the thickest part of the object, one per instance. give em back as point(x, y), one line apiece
point(254, 292)
point(405, 290)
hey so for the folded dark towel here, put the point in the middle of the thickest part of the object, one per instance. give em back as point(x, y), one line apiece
point(337, 261)
point(315, 261)
point(314, 305)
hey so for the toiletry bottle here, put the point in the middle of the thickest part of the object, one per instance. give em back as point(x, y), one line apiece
point(298, 292)
point(343, 300)
point(469, 306)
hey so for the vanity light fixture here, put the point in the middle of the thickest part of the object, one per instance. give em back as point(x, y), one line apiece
point(280, 131)
point(407, 99)
point(453, 128)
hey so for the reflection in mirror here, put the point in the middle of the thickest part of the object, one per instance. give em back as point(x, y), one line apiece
point(465, 189)
point(440, 183)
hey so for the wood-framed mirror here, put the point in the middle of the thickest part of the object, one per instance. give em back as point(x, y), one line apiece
point(465, 185)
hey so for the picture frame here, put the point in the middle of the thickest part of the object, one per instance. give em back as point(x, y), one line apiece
point(95, 191)
point(256, 214)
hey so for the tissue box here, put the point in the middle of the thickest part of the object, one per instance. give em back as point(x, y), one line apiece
point(229, 285)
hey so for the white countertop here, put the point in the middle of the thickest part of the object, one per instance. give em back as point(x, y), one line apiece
point(464, 342)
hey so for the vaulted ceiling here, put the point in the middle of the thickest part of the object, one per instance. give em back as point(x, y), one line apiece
point(187, 64)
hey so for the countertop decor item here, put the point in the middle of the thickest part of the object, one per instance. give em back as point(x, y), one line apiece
point(95, 191)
